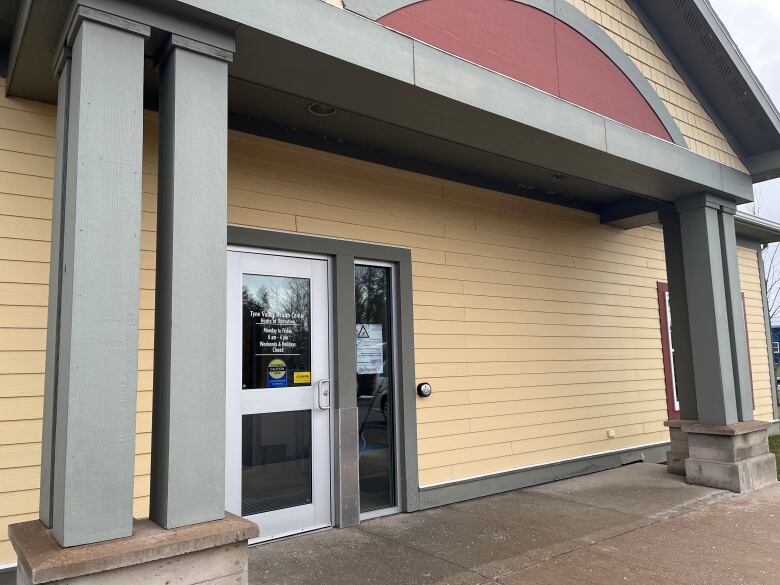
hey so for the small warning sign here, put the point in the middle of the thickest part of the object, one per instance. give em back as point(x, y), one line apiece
point(370, 348)
point(301, 377)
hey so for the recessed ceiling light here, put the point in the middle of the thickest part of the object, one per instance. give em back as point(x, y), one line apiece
point(322, 110)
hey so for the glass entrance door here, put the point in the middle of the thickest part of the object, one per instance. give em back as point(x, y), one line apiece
point(376, 395)
point(278, 392)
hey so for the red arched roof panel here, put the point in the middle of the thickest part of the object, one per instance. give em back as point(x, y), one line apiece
point(531, 46)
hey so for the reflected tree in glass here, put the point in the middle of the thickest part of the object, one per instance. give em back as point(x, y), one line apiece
point(375, 392)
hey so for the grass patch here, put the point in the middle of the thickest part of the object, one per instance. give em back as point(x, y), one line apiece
point(774, 447)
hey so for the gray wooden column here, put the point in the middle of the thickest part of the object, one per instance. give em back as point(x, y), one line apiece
point(188, 427)
point(55, 291)
point(678, 305)
point(92, 347)
point(740, 357)
point(716, 317)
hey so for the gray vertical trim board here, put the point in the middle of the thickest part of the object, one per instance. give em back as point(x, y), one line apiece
point(768, 328)
point(347, 467)
point(566, 12)
point(736, 317)
point(55, 292)
point(343, 253)
point(188, 426)
point(345, 441)
point(678, 305)
point(408, 471)
point(92, 497)
point(345, 354)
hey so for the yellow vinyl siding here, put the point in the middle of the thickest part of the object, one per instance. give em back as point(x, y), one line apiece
point(537, 326)
point(27, 149)
point(26, 171)
point(749, 277)
point(620, 22)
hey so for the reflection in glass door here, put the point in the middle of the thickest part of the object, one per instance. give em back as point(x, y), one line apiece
point(278, 420)
point(375, 386)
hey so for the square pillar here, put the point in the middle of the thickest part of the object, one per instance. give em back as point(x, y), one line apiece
point(681, 341)
point(88, 448)
point(188, 426)
point(714, 305)
point(726, 448)
point(678, 307)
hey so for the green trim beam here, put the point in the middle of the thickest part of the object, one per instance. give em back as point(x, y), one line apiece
point(468, 489)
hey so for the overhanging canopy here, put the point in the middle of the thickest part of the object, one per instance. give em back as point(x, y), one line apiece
point(406, 100)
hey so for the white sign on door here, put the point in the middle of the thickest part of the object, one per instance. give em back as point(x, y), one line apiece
point(369, 349)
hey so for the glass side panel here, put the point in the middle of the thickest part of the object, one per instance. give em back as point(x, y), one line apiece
point(375, 387)
point(275, 461)
point(276, 331)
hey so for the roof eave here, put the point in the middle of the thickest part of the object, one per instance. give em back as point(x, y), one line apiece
point(756, 229)
point(713, 66)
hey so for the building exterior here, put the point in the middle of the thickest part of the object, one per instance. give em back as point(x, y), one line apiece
point(294, 219)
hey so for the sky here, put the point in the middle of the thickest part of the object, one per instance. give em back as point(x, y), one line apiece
point(754, 25)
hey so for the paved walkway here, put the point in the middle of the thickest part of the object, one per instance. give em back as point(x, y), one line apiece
point(634, 525)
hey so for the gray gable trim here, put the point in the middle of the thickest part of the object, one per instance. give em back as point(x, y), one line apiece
point(569, 14)
point(716, 71)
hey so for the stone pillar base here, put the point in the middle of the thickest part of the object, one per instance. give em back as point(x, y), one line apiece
point(212, 553)
point(678, 452)
point(731, 457)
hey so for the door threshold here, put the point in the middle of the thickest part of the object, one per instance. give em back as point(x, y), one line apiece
point(379, 513)
point(287, 536)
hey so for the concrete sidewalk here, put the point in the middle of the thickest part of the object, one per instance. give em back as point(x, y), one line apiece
point(637, 524)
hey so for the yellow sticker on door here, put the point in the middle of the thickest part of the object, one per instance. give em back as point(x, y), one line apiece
point(301, 377)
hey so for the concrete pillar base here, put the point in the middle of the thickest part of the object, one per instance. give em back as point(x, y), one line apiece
point(208, 553)
point(678, 452)
point(732, 457)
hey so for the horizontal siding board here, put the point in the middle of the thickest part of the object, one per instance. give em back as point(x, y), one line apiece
point(15, 432)
point(13, 479)
point(24, 250)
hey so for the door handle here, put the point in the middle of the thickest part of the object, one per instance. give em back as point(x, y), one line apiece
point(323, 394)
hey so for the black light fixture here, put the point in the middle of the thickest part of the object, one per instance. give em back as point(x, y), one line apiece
point(322, 110)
